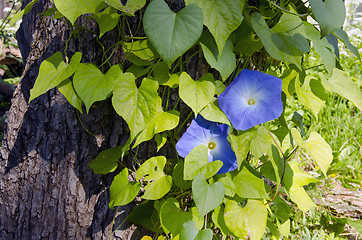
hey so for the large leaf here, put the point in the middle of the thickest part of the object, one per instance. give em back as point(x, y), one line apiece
point(136, 105)
point(158, 182)
point(340, 83)
point(197, 162)
point(72, 9)
point(330, 14)
point(130, 8)
point(317, 148)
point(106, 161)
point(19, 15)
point(172, 217)
point(221, 17)
point(286, 41)
point(92, 85)
point(307, 98)
point(248, 222)
point(52, 72)
point(197, 94)
point(123, 191)
point(248, 185)
point(207, 196)
point(161, 121)
point(301, 198)
point(224, 62)
point(172, 34)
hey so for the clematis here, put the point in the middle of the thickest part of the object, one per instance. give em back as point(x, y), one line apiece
point(252, 98)
point(212, 135)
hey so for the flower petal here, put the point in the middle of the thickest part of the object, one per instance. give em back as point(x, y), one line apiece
point(224, 153)
point(265, 90)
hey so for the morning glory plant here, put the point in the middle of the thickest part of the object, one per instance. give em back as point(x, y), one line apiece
point(252, 98)
point(212, 135)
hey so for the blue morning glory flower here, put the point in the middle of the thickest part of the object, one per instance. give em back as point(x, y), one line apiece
point(212, 135)
point(252, 98)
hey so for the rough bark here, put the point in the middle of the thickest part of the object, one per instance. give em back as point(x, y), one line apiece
point(47, 190)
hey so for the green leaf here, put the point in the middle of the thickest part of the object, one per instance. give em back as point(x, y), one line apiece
point(221, 17)
point(72, 9)
point(19, 15)
point(107, 20)
point(178, 177)
point(92, 85)
point(199, 221)
point(248, 185)
point(244, 38)
point(330, 14)
point(172, 217)
point(340, 83)
point(260, 142)
point(138, 52)
point(317, 148)
point(307, 98)
point(67, 89)
point(205, 234)
point(136, 105)
point(285, 41)
point(197, 94)
point(172, 34)
point(322, 46)
point(197, 162)
point(206, 196)
point(160, 122)
point(52, 72)
point(229, 186)
point(248, 222)
point(138, 71)
point(158, 182)
point(106, 161)
point(123, 191)
point(145, 214)
point(190, 232)
point(130, 8)
point(218, 218)
point(161, 72)
point(299, 196)
point(213, 113)
point(223, 62)
point(342, 35)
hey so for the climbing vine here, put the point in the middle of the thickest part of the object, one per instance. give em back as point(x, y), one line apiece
point(234, 175)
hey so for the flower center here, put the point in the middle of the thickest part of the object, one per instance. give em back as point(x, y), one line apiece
point(211, 145)
point(251, 101)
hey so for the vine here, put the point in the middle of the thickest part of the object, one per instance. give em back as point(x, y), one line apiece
point(221, 184)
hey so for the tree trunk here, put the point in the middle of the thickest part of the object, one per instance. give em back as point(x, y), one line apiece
point(47, 189)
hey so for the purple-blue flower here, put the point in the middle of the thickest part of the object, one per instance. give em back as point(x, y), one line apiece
point(252, 98)
point(212, 135)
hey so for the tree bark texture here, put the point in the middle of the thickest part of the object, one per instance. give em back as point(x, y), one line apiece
point(47, 190)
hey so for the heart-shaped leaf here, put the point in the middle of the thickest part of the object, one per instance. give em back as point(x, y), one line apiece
point(330, 14)
point(92, 85)
point(248, 222)
point(197, 94)
point(67, 89)
point(221, 17)
point(172, 34)
point(52, 72)
point(207, 197)
point(158, 182)
point(172, 217)
point(123, 191)
point(72, 9)
point(248, 185)
point(130, 8)
point(197, 162)
point(107, 20)
point(136, 105)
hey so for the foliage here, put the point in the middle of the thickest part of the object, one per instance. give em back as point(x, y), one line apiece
point(188, 197)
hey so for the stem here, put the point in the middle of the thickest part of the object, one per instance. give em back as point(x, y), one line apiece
point(287, 11)
point(184, 122)
point(84, 126)
point(284, 167)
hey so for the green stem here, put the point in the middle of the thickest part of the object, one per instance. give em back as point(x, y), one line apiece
point(184, 122)
point(287, 11)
